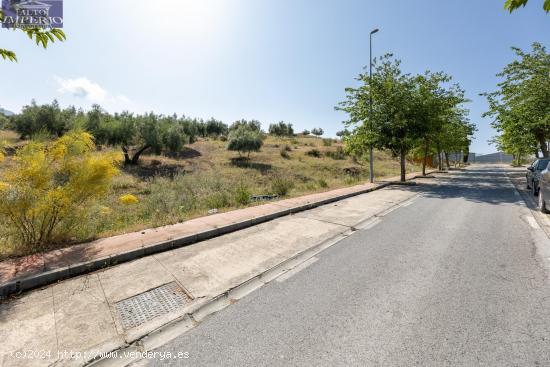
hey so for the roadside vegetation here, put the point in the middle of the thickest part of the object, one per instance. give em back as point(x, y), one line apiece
point(411, 114)
point(520, 106)
point(151, 170)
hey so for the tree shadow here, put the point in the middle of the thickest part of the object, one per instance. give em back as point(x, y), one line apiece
point(479, 185)
point(185, 153)
point(145, 172)
point(243, 162)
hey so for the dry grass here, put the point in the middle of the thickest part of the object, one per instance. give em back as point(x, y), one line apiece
point(207, 176)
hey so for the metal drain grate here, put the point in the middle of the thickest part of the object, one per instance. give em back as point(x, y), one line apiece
point(139, 309)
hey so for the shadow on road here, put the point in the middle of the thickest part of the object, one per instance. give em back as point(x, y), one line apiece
point(484, 184)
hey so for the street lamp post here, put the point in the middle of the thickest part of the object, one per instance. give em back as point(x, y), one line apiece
point(371, 155)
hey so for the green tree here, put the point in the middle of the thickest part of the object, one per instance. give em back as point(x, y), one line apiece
point(281, 129)
point(252, 124)
point(317, 131)
point(137, 134)
point(512, 5)
point(216, 128)
point(41, 36)
point(523, 98)
point(48, 118)
point(392, 124)
point(244, 140)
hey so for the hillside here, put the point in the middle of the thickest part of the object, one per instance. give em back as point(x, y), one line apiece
point(205, 176)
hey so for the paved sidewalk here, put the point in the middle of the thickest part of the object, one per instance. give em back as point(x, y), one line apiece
point(42, 269)
point(83, 314)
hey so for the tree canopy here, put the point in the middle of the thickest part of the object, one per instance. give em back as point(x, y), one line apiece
point(244, 139)
point(512, 5)
point(42, 37)
point(520, 106)
point(407, 112)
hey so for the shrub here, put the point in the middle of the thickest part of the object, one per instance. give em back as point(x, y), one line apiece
point(284, 154)
point(314, 153)
point(44, 197)
point(281, 186)
point(317, 131)
point(339, 154)
point(244, 140)
point(242, 194)
point(128, 199)
point(306, 132)
point(327, 142)
point(281, 129)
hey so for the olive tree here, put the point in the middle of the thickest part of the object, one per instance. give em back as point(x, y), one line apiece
point(244, 140)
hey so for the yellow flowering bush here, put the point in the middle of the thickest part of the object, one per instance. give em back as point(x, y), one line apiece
point(128, 199)
point(44, 196)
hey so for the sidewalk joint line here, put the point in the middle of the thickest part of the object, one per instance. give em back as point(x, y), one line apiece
point(187, 292)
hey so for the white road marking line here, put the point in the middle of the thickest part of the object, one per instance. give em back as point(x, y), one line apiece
point(297, 269)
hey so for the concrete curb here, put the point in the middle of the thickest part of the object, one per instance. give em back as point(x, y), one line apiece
point(193, 317)
point(52, 276)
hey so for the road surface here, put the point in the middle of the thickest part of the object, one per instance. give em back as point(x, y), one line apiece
point(457, 278)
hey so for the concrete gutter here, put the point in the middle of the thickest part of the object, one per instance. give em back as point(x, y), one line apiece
point(73, 270)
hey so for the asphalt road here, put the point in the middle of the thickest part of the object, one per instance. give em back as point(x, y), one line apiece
point(454, 279)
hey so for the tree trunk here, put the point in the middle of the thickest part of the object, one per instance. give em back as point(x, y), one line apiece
point(543, 146)
point(127, 159)
point(135, 158)
point(439, 162)
point(425, 157)
point(447, 160)
point(403, 172)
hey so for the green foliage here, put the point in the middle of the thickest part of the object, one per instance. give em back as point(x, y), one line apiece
point(44, 197)
point(244, 140)
point(281, 185)
point(512, 5)
point(242, 194)
point(317, 131)
point(50, 119)
point(281, 129)
point(41, 37)
point(137, 134)
point(520, 107)
point(252, 125)
point(343, 133)
point(216, 128)
point(306, 132)
point(407, 111)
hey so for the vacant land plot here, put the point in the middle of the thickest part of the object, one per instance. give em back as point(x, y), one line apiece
point(204, 176)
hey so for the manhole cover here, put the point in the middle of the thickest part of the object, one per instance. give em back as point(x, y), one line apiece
point(139, 309)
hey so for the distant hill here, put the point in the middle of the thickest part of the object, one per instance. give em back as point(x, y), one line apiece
point(5, 112)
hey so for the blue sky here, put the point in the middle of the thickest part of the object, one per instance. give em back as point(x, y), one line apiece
point(269, 60)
